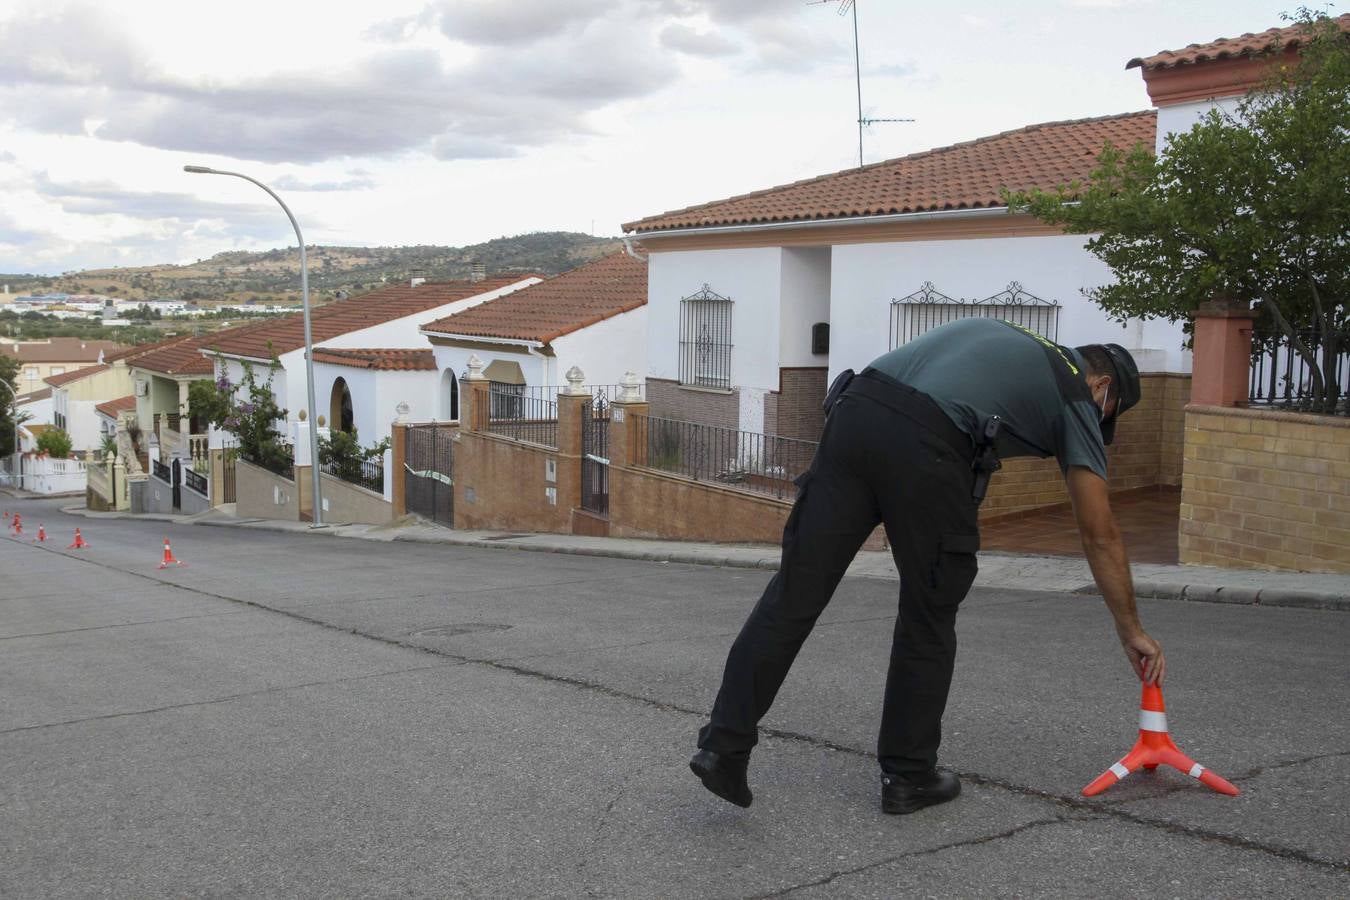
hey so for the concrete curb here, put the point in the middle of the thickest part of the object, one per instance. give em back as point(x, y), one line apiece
point(739, 558)
point(1292, 598)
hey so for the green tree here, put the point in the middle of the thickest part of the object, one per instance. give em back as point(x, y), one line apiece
point(1253, 204)
point(55, 443)
point(9, 374)
point(253, 421)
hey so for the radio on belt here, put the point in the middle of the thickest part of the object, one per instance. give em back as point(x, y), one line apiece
point(986, 461)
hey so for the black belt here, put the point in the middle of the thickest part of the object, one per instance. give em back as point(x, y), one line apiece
point(913, 404)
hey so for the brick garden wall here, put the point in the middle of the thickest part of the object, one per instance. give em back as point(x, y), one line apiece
point(791, 411)
point(1146, 452)
point(670, 401)
point(1266, 490)
point(801, 391)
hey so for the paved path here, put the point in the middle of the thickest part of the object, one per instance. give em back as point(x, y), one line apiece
point(295, 716)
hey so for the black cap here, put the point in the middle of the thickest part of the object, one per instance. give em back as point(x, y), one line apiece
point(1124, 381)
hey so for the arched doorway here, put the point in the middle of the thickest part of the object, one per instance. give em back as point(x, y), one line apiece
point(340, 407)
point(449, 396)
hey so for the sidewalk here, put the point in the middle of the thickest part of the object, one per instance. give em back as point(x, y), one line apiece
point(997, 570)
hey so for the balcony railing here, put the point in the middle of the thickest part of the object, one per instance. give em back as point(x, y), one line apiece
point(524, 413)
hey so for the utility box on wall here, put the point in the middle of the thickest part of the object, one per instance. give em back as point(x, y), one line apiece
point(820, 338)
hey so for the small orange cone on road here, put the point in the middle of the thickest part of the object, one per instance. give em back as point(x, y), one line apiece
point(79, 542)
point(168, 557)
point(1155, 748)
point(42, 533)
point(18, 525)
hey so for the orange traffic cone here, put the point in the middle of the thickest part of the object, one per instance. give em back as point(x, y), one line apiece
point(18, 525)
point(42, 533)
point(79, 542)
point(168, 557)
point(1155, 748)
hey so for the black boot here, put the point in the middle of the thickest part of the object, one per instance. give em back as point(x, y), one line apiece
point(904, 794)
point(723, 775)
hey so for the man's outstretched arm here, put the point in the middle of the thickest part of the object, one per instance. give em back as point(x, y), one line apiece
point(1106, 555)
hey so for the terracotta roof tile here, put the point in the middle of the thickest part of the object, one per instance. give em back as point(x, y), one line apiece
point(33, 396)
point(287, 333)
point(111, 408)
point(142, 349)
point(394, 359)
point(57, 349)
point(1228, 48)
point(963, 176)
point(180, 358)
point(564, 303)
point(68, 377)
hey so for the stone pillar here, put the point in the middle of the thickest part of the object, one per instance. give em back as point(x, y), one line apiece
point(120, 488)
point(1221, 368)
point(628, 427)
point(475, 398)
point(183, 406)
point(398, 456)
point(570, 443)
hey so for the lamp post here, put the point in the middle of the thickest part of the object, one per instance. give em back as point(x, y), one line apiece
point(309, 342)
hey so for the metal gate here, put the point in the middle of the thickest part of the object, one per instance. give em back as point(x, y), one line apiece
point(595, 456)
point(429, 486)
point(177, 482)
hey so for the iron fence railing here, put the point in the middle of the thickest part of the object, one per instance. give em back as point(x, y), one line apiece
point(161, 471)
point(196, 481)
point(524, 413)
point(366, 473)
point(764, 463)
point(229, 453)
point(1282, 378)
point(283, 467)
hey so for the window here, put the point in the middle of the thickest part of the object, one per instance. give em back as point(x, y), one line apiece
point(31, 373)
point(705, 340)
point(58, 370)
point(928, 308)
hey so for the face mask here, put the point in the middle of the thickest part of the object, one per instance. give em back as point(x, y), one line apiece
point(1106, 398)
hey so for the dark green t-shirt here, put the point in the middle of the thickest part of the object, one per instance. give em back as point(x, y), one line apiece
point(975, 368)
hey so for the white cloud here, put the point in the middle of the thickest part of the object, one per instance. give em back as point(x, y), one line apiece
point(358, 182)
point(707, 44)
point(62, 73)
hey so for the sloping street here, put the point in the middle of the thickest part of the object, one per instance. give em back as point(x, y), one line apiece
point(294, 715)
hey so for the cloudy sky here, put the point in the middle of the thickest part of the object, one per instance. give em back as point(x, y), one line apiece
point(456, 121)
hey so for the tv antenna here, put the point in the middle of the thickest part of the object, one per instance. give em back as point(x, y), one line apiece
point(845, 7)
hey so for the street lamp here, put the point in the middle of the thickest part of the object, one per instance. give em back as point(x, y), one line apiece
point(309, 343)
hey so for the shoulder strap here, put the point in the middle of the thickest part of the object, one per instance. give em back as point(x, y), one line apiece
point(1068, 376)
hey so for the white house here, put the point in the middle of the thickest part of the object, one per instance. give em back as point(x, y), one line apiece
point(593, 317)
point(388, 318)
point(758, 300)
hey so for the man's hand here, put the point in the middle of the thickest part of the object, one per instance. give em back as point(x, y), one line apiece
point(1145, 656)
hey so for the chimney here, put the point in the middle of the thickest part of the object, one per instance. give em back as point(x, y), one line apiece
point(419, 276)
point(477, 272)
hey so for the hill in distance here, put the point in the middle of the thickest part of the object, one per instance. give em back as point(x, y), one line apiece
point(272, 276)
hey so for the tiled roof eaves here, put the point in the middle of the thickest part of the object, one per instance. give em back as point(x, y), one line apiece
point(67, 377)
point(719, 213)
point(481, 338)
point(394, 359)
point(1245, 45)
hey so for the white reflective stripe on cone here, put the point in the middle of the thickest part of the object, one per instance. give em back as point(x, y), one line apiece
point(1196, 770)
point(1152, 721)
point(1119, 770)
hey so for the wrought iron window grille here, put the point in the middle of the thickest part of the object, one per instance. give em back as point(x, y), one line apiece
point(705, 339)
point(928, 308)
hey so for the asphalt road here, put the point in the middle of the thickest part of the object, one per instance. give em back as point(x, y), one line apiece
point(301, 716)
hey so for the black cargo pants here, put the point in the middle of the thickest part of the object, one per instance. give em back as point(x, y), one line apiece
point(888, 455)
